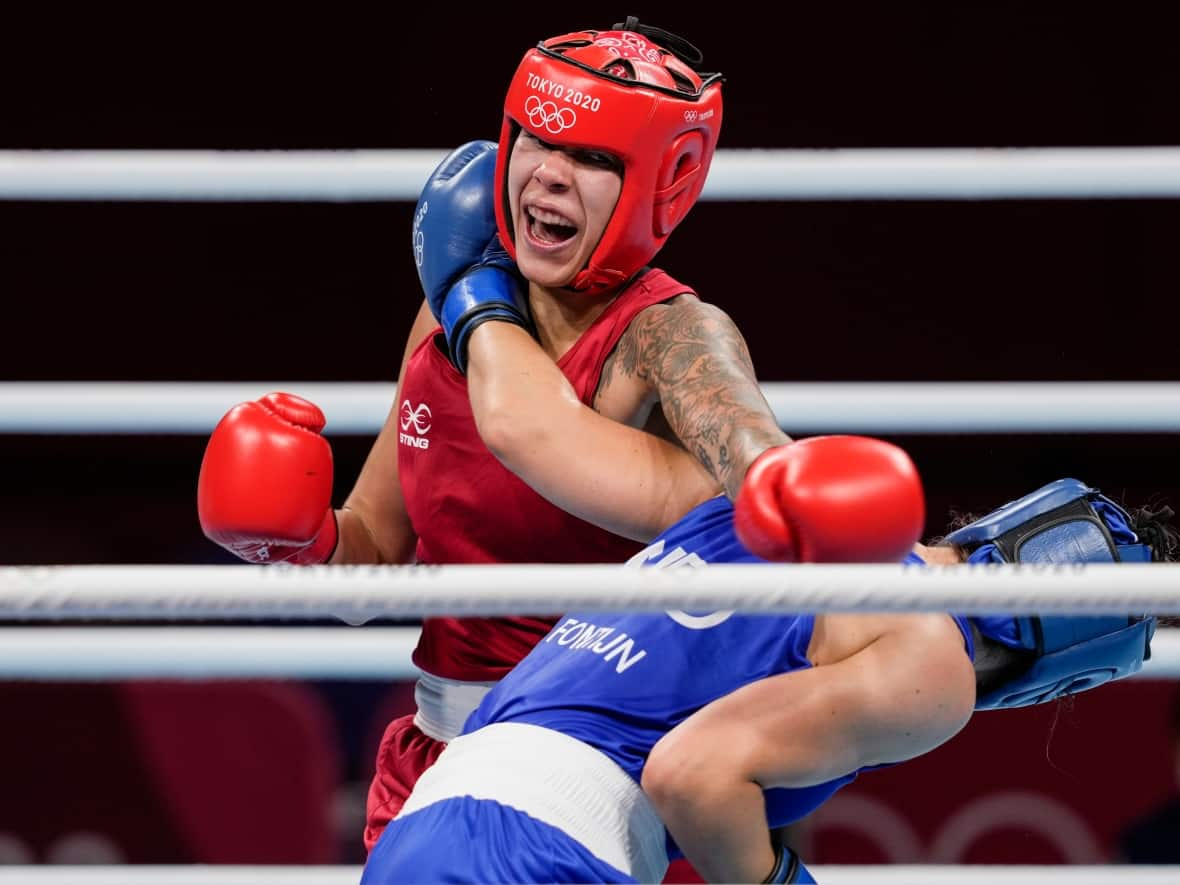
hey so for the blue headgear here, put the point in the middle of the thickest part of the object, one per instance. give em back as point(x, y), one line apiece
point(1066, 522)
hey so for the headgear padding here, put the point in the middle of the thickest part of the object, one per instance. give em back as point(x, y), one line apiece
point(631, 92)
point(1063, 522)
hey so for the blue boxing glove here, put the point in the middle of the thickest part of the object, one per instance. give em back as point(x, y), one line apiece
point(467, 276)
point(455, 218)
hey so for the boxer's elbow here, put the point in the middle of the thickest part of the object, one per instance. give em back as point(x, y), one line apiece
point(517, 428)
point(688, 769)
point(675, 783)
point(497, 430)
point(511, 437)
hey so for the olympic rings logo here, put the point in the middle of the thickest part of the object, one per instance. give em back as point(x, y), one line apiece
point(419, 237)
point(690, 116)
point(548, 115)
point(418, 418)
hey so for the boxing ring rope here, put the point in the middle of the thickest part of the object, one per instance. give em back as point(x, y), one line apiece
point(97, 594)
point(112, 407)
point(911, 874)
point(358, 594)
point(101, 653)
point(736, 174)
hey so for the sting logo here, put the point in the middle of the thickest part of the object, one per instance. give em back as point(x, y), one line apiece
point(416, 420)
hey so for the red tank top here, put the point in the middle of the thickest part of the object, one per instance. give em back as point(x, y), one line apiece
point(466, 507)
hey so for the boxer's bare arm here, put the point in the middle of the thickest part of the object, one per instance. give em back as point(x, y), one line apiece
point(694, 359)
point(619, 478)
point(374, 525)
point(884, 688)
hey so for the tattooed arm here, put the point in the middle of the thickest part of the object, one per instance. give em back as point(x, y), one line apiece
point(619, 478)
point(694, 359)
point(687, 355)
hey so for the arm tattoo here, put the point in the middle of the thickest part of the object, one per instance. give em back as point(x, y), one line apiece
point(695, 358)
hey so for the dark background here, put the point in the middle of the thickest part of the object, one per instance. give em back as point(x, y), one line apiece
point(1003, 290)
point(923, 291)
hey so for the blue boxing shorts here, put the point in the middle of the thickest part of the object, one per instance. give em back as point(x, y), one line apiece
point(480, 841)
point(514, 802)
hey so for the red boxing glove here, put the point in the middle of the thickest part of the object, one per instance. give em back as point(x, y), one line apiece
point(831, 499)
point(265, 490)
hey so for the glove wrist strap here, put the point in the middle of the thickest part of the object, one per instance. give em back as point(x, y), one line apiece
point(485, 293)
point(786, 866)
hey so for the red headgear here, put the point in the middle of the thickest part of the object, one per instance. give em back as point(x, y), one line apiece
point(630, 92)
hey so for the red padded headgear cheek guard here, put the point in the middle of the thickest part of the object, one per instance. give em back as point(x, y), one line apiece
point(662, 123)
point(508, 131)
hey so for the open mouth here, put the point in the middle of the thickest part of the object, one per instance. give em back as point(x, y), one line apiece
point(549, 228)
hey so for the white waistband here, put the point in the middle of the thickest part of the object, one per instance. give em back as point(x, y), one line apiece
point(445, 704)
point(558, 780)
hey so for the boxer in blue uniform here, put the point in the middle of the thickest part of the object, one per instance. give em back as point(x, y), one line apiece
point(545, 783)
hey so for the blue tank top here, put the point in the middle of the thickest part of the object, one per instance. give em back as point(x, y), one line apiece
point(620, 681)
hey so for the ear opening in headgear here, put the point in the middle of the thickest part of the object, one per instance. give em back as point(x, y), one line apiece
point(680, 168)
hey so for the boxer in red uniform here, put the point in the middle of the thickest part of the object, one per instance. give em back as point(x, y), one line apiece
point(606, 142)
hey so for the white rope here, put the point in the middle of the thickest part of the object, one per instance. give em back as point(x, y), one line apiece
point(216, 175)
point(99, 653)
point(816, 407)
point(356, 594)
point(910, 874)
point(736, 174)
